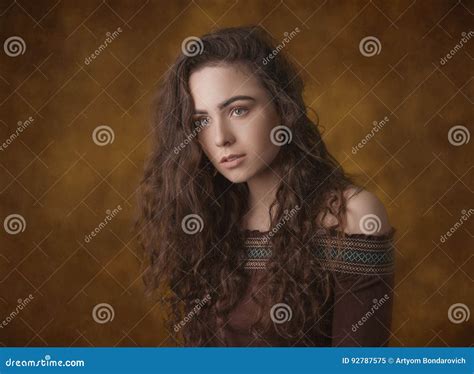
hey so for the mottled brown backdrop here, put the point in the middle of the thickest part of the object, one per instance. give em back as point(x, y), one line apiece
point(59, 179)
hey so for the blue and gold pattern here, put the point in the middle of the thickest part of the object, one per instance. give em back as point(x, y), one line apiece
point(357, 253)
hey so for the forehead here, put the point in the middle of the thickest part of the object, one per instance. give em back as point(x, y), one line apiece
point(210, 85)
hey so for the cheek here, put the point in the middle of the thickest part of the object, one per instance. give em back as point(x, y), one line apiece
point(259, 143)
point(270, 153)
point(260, 131)
point(205, 144)
point(267, 149)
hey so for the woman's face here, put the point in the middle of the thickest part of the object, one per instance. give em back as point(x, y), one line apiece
point(235, 116)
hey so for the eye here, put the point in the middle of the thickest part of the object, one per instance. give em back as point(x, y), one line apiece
point(202, 121)
point(240, 111)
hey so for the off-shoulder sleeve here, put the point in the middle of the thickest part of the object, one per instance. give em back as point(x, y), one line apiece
point(362, 272)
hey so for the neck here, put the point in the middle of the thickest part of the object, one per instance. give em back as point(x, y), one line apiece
point(262, 193)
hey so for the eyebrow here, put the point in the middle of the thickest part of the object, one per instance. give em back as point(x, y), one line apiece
point(227, 103)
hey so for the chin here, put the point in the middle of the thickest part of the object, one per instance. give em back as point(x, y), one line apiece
point(236, 177)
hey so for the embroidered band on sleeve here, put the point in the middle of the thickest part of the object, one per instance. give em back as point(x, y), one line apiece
point(357, 254)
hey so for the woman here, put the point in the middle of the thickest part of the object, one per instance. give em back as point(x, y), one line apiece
point(252, 227)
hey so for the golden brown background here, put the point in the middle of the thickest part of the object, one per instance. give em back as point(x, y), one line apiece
point(61, 182)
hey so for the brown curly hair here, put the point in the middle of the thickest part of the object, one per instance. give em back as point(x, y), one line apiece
point(187, 268)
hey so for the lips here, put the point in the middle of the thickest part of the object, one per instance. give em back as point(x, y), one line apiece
point(231, 157)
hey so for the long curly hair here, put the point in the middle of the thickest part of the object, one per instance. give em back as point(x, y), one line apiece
point(189, 216)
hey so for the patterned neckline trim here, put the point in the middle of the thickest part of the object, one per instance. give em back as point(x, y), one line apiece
point(252, 233)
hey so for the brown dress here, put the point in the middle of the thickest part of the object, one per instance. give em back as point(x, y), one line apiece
point(360, 308)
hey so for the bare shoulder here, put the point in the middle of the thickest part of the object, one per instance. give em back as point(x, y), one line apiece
point(365, 213)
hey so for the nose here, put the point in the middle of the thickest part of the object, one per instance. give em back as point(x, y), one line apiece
point(223, 135)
